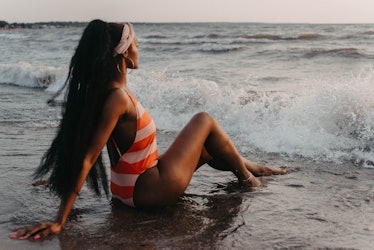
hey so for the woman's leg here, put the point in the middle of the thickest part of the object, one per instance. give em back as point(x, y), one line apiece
point(163, 185)
point(254, 168)
point(262, 170)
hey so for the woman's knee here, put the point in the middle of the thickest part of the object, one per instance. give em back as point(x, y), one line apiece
point(203, 117)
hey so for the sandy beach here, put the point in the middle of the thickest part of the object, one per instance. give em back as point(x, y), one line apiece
point(324, 206)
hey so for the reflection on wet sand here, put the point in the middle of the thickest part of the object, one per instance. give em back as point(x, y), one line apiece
point(195, 222)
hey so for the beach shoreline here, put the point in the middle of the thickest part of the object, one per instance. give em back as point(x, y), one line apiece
point(299, 95)
point(315, 206)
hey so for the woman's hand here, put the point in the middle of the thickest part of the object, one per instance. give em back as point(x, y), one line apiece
point(37, 231)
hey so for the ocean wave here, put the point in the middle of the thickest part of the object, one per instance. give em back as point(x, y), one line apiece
point(226, 39)
point(155, 37)
point(311, 36)
point(368, 32)
point(262, 36)
point(338, 52)
point(331, 122)
point(172, 41)
point(306, 36)
point(213, 35)
point(195, 45)
point(219, 48)
point(27, 75)
point(328, 121)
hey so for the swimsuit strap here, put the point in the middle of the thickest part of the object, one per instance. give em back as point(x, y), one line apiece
point(116, 146)
point(131, 97)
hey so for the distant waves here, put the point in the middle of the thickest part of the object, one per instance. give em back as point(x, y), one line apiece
point(28, 75)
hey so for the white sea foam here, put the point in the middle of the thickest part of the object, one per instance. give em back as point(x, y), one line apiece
point(331, 121)
point(27, 75)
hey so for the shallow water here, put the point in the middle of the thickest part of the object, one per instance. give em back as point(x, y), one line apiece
point(317, 205)
point(314, 207)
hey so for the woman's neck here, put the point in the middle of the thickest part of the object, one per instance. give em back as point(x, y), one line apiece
point(123, 77)
point(120, 83)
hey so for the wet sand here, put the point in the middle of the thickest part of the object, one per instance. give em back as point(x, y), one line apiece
point(315, 206)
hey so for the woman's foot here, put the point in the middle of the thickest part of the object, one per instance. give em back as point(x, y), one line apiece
point(262, 170)
point(280, 170)
point(250, 182)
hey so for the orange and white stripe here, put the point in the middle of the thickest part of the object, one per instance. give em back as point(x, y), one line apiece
point(139, 157)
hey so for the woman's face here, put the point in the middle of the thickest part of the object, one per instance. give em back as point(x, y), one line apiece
point(132, 53)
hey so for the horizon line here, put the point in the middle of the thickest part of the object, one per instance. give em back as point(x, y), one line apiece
point(172, 22)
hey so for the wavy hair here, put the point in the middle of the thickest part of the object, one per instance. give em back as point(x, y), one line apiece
point(91, 69)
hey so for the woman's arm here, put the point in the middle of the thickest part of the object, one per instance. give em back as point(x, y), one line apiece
point(116, 105)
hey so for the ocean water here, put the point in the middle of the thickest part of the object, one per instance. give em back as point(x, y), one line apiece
point(284, 92)
point(300, 90)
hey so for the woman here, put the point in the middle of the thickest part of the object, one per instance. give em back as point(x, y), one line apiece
point(100, 110)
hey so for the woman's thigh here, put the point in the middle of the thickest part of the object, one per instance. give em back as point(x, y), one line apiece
point(165, 183)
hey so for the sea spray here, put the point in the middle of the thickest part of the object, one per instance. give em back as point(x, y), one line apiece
point(28, 75)
point(328, 121)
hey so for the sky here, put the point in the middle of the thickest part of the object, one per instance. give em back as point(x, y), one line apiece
point(270, 11)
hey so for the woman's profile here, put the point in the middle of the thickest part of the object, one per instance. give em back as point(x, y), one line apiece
point(99, 110)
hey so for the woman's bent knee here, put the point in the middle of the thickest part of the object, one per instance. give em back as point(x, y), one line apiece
point(203, 117)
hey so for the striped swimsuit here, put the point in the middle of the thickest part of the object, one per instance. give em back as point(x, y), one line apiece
point(141, 156)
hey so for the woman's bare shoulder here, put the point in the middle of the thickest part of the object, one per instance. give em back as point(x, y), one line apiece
point(117, 101)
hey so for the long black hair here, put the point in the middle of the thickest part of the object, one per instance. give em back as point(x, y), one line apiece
point(92, 68)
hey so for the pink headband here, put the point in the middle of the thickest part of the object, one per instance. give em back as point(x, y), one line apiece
point(128, 35)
